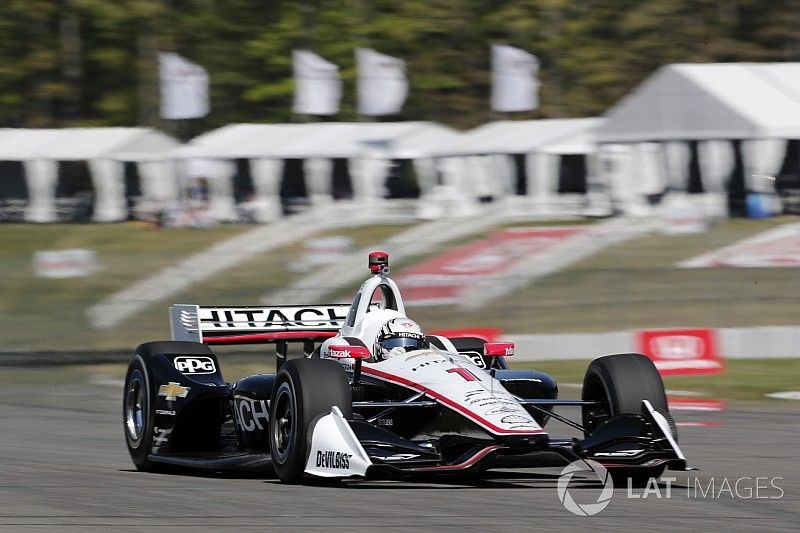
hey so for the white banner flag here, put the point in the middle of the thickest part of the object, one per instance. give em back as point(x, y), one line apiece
point(317, 86)
point(184, 87)
point(382, 83)
point(514, 83)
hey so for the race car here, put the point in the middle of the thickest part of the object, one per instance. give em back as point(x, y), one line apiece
point(366, 394)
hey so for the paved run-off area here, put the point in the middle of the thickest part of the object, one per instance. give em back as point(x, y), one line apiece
point(65, 468)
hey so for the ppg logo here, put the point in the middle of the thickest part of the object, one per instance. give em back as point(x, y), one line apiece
point(194, 365)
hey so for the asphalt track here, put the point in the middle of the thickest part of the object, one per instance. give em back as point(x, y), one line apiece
point(64, 467)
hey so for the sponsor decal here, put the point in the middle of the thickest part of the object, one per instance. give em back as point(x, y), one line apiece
point(443, 279)
point(401, 457)
point(194, 364)
point(621, 453)
point(250, 414)
point(385, 422)
point(335, 460)
point(427, 363)
point(463, 372)
point(681, 351)
point(278, 319)
point(476, 359)
point(165, 412)
point(406, 335)
point(172, 391)
point(161, 436)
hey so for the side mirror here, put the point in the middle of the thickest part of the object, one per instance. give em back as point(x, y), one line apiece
point(349, 352)
point(498, 349)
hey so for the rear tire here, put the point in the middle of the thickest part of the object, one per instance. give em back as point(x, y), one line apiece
point(137, 413)
point(139, 397)
point(304, 389)
point(621, 382)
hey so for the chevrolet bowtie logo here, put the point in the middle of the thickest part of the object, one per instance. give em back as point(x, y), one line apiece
point(173, 390)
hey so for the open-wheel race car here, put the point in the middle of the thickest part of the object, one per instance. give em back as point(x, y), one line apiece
point(370, 396)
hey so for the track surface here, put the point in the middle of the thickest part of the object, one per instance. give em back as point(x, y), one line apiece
point(64, 467)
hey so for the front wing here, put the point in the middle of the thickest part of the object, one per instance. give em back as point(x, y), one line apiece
point(355, 449)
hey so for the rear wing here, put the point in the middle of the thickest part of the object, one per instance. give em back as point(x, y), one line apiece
point(252, 325)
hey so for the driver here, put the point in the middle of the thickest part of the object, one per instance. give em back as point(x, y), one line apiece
point(398, 336)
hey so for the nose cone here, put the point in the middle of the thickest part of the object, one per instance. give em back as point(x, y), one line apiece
point(461, 386)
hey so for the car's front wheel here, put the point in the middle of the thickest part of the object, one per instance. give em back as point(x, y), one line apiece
point(304, 389)
point(619, 383)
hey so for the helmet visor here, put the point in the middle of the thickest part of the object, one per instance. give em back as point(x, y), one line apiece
point(403, 342)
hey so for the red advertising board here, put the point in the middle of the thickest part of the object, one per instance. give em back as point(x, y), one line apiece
point(681, 351)
point(444, 278)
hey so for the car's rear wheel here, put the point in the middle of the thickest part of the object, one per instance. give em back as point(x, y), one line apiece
point(619, 383)
point(304, 389)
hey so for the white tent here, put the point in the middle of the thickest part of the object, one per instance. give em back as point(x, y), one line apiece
point(575, 135)
point(687, 112)
point(104, 149)
point(482, 161)
point(369, 148)
point(709, 101)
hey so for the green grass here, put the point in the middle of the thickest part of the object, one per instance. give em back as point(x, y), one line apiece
point(627, 286)
point(50, 313)
point(47, 314)
point(636, 284)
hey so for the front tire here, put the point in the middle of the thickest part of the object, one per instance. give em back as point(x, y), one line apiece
point(620, 382)
point(304, 389)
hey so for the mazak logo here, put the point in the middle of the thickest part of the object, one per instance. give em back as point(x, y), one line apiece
point(677, 347)
point(595, 469)
point(194, 365)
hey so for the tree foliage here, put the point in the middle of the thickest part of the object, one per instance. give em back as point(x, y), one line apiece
point(93, 62)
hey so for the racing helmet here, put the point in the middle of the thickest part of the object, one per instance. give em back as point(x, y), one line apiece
point(398, 334)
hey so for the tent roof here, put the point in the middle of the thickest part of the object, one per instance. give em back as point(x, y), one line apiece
point(321, 139)
point(709, 101)
point(568, 135)
point(124, 144)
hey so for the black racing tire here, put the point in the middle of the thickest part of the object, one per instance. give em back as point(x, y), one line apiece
point(621, 382)
point(139, 395)
point(304, 389)
point(137, 413)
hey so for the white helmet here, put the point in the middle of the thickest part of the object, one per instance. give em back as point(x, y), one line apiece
point(398, 335)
